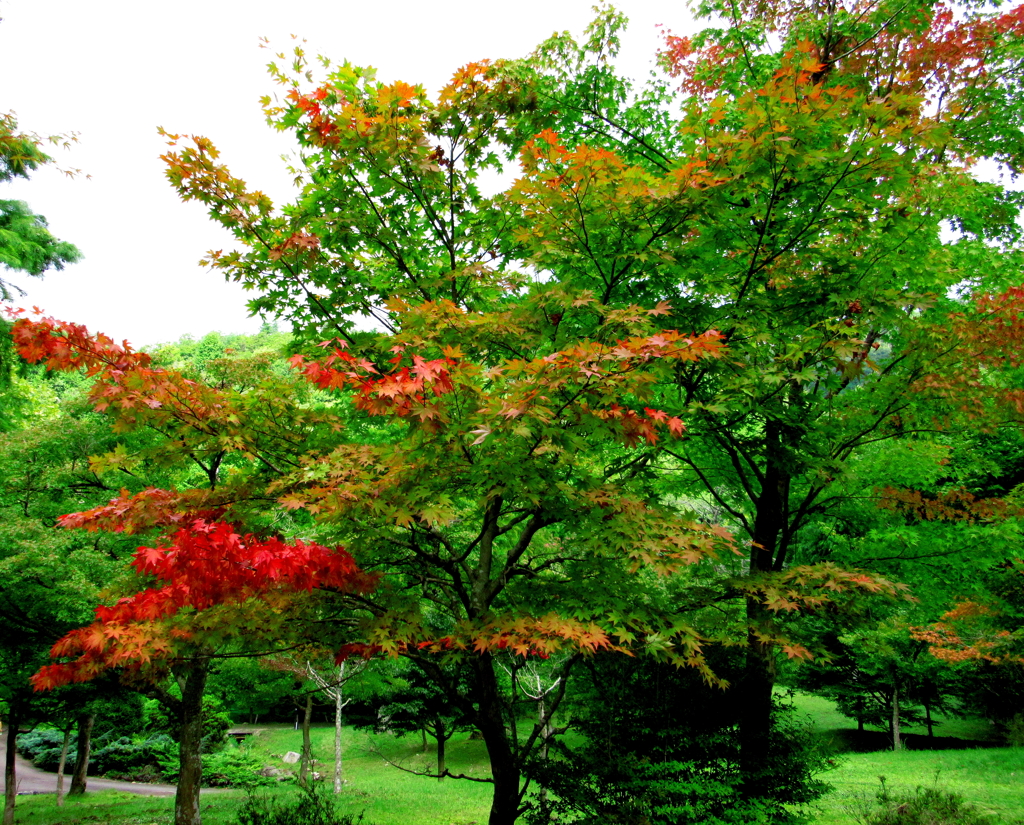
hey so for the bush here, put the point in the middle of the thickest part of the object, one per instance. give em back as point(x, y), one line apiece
point(234, 768)
point(315, 805)
point(40, 740)
point(660, 747)
point(129, 757)
point(923, 806)
point(49, 759)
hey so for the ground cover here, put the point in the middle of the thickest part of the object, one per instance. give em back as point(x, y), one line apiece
point(990, 777)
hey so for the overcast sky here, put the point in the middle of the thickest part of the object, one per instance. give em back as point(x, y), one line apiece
point(114, 70)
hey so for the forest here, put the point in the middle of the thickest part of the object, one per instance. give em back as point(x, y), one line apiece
point(599, 431)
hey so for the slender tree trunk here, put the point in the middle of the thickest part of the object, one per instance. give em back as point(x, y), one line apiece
point(78, 778)
point(190, 776)
point(305, 768)
point(928, 718)
point(338, 705)
point(442, 737)
point(10, 772)
point(60, 767)
point(545, 736)
point(504, 770)
point(897, 743)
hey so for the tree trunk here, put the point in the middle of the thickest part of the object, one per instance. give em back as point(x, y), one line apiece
point(545, 723)
point(441, 735)
point(10, 773)
point(60, 768)
point(758, 678)
point(897, 743)
point(928, 718)
point(78, 778)
point(190, 720)
point(338, 705)
point(305, 767)
point(490, 720)
point(423, 731)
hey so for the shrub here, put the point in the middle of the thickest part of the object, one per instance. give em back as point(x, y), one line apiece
point(130, 757)
point(231, 767)
point(923, 806)
point(314, 805)
point(660, 747)
point(234, 768)
point(38, 741)
point(49, 759)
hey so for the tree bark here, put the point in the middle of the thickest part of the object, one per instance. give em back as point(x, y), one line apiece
point(190, 743)
point(928, 718)
point(79, 777)
point(60, 768)
point(10, 773)
point(442, 737)
point(305, 767)
point(338, 706)
point(897, 743)
point(758, 678)
point(490, 720)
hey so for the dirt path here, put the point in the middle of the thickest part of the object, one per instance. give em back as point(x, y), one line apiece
point(31, 780)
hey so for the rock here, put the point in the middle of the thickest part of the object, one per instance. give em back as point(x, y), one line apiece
point(291, 758)
point(270, 770)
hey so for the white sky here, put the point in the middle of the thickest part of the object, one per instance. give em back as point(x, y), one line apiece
point(113, 70)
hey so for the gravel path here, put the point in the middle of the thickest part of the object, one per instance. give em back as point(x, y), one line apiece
point(31, 780)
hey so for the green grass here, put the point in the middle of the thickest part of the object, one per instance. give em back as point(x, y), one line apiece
point(117, 808)
point(382, 792)
point(991, 778)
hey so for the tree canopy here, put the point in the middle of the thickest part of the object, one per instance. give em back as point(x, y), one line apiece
point(613, 405)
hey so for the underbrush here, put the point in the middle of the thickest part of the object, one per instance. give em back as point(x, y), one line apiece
point(147, 759)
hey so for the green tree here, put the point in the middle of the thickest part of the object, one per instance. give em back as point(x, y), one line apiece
point(712, 300)
point(26, 244)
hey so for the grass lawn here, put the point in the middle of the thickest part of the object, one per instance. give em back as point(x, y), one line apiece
point(992, 778)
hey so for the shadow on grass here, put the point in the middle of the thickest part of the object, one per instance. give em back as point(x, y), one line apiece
point(849, 740)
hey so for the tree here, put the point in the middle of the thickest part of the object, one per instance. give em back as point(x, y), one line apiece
point(214, 585)
point(26, 244)
point(658, 745)
point(415, 703)
point(48, 581)
point(720, 298)
point(332, 682)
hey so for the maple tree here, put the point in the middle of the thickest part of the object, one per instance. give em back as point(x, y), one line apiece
point(714, 293)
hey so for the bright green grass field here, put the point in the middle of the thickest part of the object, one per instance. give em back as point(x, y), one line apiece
point(992, 778)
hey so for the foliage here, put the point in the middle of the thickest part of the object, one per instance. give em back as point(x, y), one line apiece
point(315, 806)
point(38, 741)
point(230, 767)
point(216, 722)
point(923, 806)
point(26, 244)
point(596, 403)
point(648, 757)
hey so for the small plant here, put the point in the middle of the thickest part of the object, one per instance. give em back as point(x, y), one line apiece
point(923, 806)
point(315, 805)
